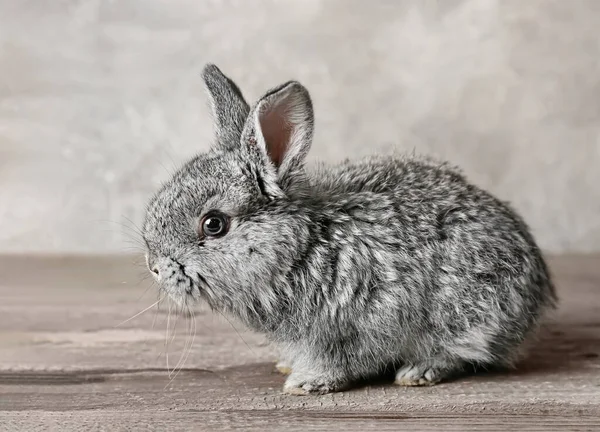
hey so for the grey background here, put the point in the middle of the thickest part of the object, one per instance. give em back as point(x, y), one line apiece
point(101, 100)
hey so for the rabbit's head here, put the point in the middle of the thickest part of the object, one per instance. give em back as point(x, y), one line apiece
point(223, 228)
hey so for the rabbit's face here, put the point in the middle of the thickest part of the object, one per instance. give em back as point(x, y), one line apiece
point(223, 228)
point(213, 234)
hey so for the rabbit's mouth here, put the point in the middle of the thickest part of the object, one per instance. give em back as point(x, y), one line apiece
point(189, 286)
point(176, 281)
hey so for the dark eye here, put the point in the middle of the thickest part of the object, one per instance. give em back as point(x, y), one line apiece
point(214, 224)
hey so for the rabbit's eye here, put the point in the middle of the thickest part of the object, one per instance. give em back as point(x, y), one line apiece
point(214, 224)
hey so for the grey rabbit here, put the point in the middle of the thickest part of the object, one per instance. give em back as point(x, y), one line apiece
point(351, 271)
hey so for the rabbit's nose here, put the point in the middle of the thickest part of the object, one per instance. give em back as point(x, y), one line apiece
point(152, 265)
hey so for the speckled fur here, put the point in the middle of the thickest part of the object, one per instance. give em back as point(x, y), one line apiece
point(352, 269)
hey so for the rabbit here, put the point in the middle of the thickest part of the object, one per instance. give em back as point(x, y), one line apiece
point(386, 264)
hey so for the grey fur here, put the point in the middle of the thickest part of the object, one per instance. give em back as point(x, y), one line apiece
point(352, 269)
point(229, 108)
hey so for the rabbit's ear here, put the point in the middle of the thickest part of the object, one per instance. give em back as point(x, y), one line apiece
point(281, 126)
point(229, 108)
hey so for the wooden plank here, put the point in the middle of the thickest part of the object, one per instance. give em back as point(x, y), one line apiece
point(113, 420)
point(66, 365)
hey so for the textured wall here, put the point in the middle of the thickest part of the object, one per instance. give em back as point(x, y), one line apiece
point(100, 100)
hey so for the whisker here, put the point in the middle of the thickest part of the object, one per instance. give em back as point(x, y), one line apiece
point(139, 313)
point(131, 235)
point(238, 333)
point(175, 166)
point(136, 248)
point(167, 171)
point(134, 244)
point(183, 351)
point(150, 285)
point(177, 314)
point(154, 320)
point(190, 345)
point(144, 277)
point(172, 338)
point(156, 312)
point(133, 228)
point(167, 337)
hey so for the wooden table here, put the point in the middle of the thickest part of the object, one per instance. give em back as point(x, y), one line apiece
point(65, 364)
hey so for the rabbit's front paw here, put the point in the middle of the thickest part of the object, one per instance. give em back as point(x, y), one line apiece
point(302, 385)
point(418, 375)
point(283, 368)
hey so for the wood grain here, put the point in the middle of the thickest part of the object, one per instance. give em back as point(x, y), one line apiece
point(65, 364)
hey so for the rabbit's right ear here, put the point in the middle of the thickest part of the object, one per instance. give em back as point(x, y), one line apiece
point(229, 108)
point(280, 127)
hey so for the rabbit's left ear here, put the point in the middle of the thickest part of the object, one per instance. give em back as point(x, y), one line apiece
point(281, 126)
point(229, 108)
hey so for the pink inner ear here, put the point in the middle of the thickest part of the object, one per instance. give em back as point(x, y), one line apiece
point(276, 132)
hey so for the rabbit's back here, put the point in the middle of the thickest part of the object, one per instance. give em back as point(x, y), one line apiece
point(452, 268)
